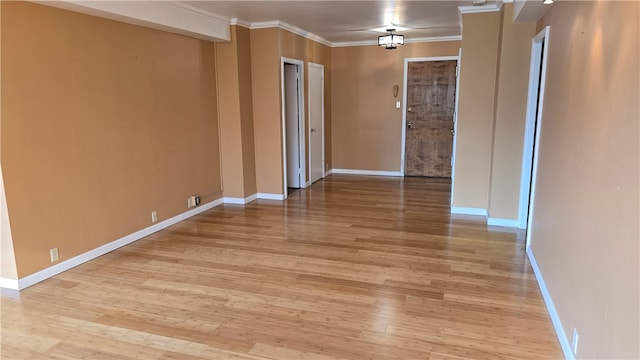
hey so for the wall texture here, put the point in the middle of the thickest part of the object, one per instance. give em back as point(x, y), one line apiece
point(585, 227)
point(510, 116)
point(102, 123)
point(367, 127)
point(267, 118)
point(246, 109)
point(235, 106)
point(476, 109)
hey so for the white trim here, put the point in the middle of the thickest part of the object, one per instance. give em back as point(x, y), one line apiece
point(406, 41)
point(171, 16)
point(241, 201)
point(268, 196)
point(101, 250)
point(512, 223)
point(301, 122)
point(365, 172)
point(328, 172)
point(321, 67)
point(9, 284)
point(455, 127)
point(531, 146)
point(293, 29)
point(471, 9)
point(468, 211)
point(265, 24)
point(404, 104)
point(240, 22)
point(551, 309)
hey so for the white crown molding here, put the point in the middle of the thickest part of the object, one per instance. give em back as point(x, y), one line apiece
point(168, 16)
point(480, 9)
point(406, 41)
point(292, 29)
point(240, 22)
point(265, 25)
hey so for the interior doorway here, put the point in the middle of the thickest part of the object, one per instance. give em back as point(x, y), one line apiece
point(430, 88)
point(535, 102)
point(316, 122)
point(293, 141)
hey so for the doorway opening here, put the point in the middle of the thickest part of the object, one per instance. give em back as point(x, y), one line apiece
point(316, 123)
point(535, 102)
point(293, 129)
point(429, 116)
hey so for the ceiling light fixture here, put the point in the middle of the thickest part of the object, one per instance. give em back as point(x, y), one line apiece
point(391, 40)
point(547, 2)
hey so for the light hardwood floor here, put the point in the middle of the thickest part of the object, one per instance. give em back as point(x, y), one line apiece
point(351, 268)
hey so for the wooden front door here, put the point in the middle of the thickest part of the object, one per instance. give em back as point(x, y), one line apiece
point(431, 93)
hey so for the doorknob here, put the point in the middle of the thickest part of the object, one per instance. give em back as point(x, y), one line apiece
point(453, 132)
point(409, 125)
point(409, 110)
point(313, 130)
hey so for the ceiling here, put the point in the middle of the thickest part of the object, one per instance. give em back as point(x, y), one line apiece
point(346, 21)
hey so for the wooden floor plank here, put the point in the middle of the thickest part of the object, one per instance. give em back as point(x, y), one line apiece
point(353, 267)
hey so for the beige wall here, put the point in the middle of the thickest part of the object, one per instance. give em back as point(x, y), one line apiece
point(235, 106)
point(102, 122)
point(7, 255)
point(585, 228)
point(476, 105)
point(510, 113)
point(267, 118)
point(367, 128)
point(246, 109)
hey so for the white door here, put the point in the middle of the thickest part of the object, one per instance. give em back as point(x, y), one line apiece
point(316, 122)
point(291, 102)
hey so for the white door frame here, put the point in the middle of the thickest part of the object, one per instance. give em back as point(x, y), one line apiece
point(319, 66)
point(301, 120)
point(531, 147)
point(404, 107)
point(455, 129)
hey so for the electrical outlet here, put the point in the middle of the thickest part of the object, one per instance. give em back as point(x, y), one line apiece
point(197, 200)
point(53, 254)
point(574, 341)
point(154, 216)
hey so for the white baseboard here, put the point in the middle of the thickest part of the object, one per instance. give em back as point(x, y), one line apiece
point(241, 201)
point(268, 196)
point(503, 222)
point(366, 172)
point(9, 284)
point(468, 211)
point(555, 319)
point(101, 250)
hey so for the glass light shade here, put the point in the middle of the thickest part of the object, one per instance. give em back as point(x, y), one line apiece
point(390, 41)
